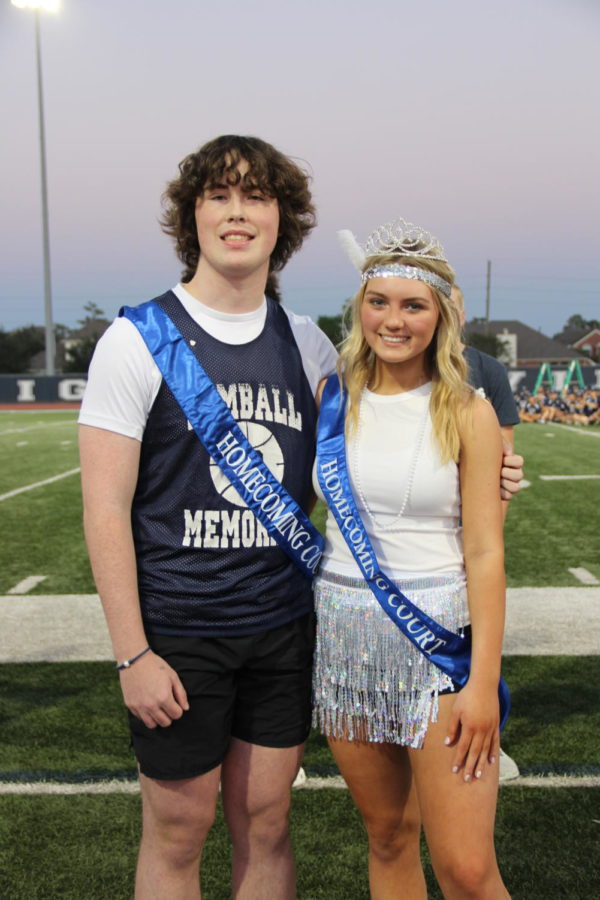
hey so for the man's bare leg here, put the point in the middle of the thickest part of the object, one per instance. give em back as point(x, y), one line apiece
point(256, 785)
point(177, 816)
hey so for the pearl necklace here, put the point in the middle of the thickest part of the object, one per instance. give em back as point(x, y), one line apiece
point(411, 470)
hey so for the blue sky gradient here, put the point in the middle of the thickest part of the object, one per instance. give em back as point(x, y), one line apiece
point(476, 120)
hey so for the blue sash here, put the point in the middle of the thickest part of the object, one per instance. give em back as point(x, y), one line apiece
point(223, 439)
point(448, 651)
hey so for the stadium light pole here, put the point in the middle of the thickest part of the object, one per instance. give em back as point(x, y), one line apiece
point(50, 6)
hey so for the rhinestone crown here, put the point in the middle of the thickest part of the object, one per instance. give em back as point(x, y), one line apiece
point(402, 238)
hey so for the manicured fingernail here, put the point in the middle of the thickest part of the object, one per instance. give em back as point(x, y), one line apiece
point(446, 741)
point(467, 777)
point(455, 769)
point(492, 760)
point(478, 774)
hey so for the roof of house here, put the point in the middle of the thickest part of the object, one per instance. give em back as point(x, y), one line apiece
point(590, 336)
point(531, 344)
point(569, 335)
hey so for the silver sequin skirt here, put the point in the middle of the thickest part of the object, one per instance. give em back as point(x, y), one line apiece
point(370, 682)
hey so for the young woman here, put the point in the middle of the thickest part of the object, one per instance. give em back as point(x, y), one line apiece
point(423, 460)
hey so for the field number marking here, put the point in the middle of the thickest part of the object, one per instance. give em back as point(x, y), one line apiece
point(584, 576)
point(28, 584)
point(32, 487)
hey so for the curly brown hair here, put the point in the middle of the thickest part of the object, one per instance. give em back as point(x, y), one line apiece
point(268, 170)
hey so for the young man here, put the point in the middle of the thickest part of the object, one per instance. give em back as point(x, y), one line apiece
point(211, 623)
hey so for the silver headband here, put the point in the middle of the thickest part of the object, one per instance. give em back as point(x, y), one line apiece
point(399, 270)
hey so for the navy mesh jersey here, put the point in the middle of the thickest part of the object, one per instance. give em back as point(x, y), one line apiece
point(205, 563)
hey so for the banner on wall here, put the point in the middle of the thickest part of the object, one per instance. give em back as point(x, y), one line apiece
point(27, 390)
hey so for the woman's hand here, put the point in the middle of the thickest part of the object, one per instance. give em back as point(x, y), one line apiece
point(473, 730)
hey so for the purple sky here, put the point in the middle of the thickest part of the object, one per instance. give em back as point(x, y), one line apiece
point(478, 120)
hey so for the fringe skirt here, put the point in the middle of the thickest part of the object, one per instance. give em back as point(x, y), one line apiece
point(370, 682)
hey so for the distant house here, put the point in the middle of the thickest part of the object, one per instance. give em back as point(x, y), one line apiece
point(525, 346)
point(37, 363)
point(589, 344)
point(91, 331)
point(570, 334)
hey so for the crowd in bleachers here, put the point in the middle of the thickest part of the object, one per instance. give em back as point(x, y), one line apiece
point(575, 406)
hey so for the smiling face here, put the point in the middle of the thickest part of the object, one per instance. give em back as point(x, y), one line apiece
point(237, 229)
point(399, 317)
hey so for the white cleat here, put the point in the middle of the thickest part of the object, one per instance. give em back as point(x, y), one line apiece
point(508, 767)
point(300, 778)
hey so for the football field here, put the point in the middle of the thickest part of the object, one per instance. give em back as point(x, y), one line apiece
point(69, 808)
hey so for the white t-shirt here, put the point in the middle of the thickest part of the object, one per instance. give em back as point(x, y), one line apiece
point(393, 462)
point(123, 379)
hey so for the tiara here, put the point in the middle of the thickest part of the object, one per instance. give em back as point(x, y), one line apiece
point(402, 238)
point(397, 238)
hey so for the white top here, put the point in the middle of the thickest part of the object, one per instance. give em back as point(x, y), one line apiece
point(123, 379)
point(394, 439)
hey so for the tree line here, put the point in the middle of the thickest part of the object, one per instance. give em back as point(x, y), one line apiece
point(20, 346)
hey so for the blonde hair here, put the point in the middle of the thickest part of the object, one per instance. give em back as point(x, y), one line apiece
point(458, 297)
point(450, 393)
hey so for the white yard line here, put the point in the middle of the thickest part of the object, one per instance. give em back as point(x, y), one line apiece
point(335, 782)
point(567, 477)
point(583, 429)
point(43, 426)
point(32, 487)
point(28, 584)
point(584, 576)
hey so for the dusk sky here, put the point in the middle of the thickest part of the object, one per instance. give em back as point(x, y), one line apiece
point(477, 119)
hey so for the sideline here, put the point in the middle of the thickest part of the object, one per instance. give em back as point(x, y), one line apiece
point(333, 782)
point(542, 621)
point(37, 484)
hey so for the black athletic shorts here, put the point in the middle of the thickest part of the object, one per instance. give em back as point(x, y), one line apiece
point(253, 687)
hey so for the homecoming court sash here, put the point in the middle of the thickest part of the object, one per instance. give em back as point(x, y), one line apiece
point(223, 439)
point(448, 651)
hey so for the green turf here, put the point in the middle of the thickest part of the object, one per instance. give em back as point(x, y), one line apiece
point(40, 529)
point(35, 448)
point(42, 535)
point(66, 848)
point(552, 526)
point(66, 720)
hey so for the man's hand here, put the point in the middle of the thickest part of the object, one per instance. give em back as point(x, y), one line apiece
point(153, 692)
point(511, 474)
